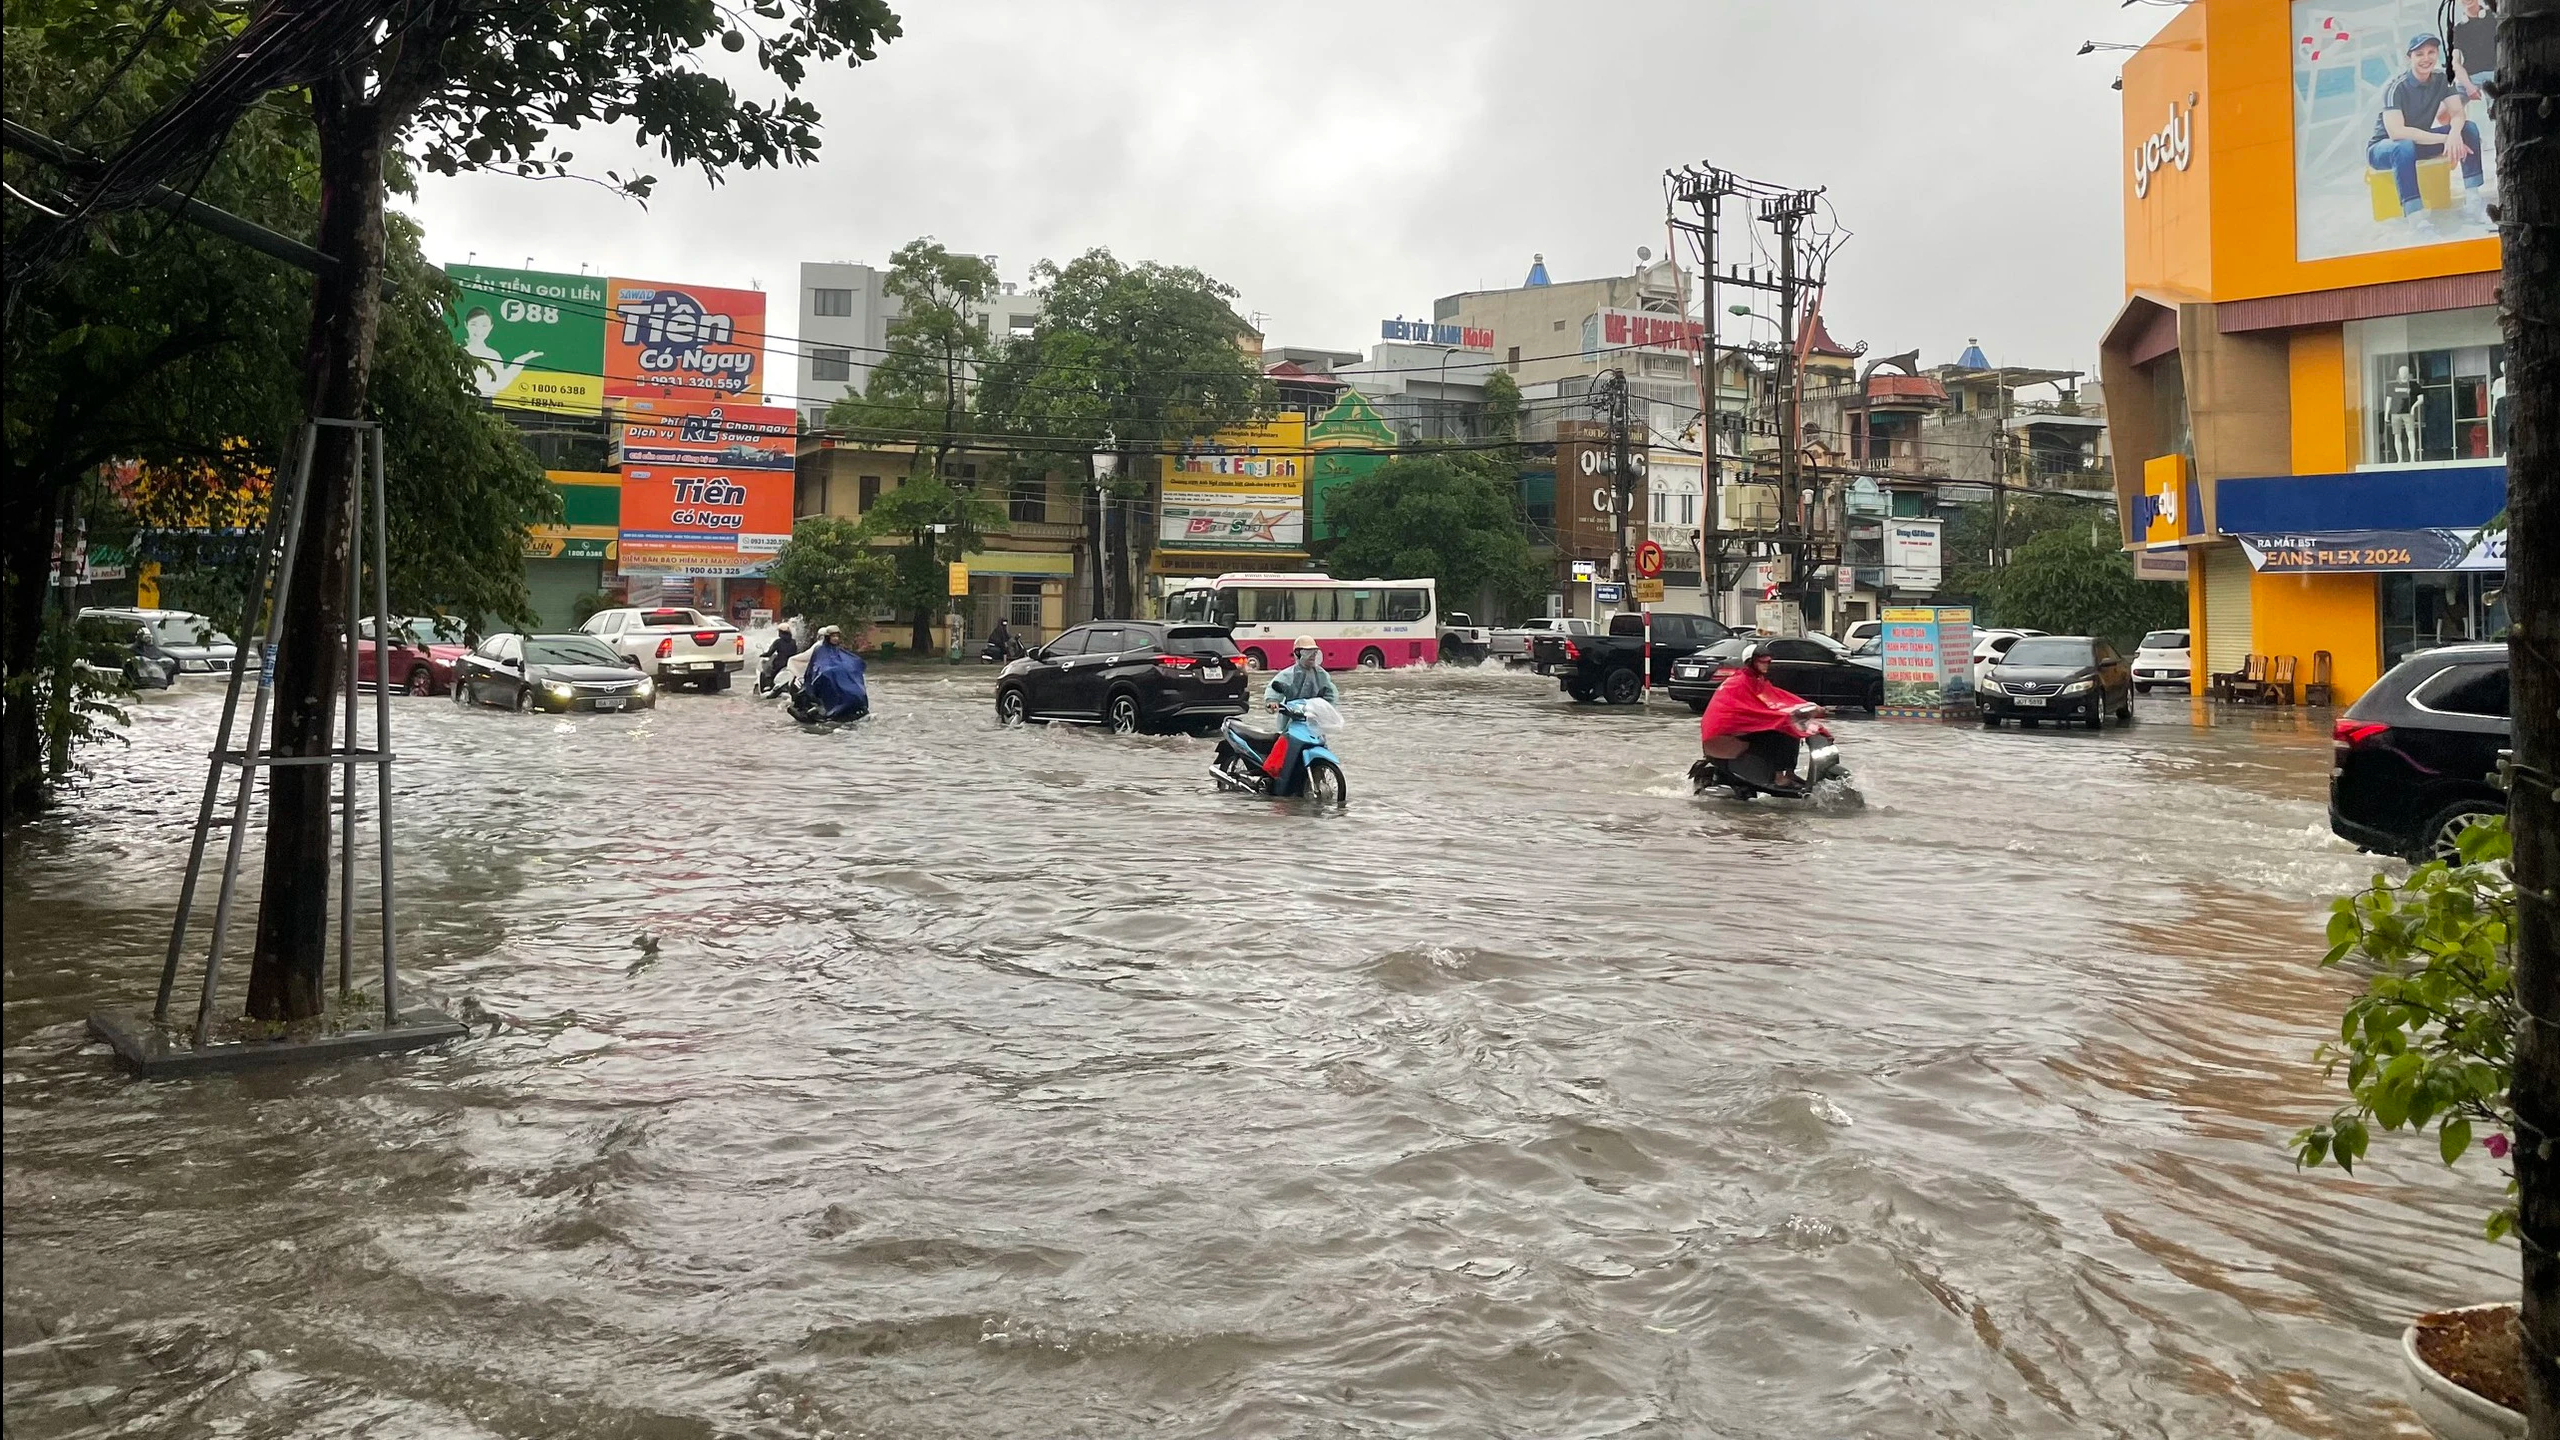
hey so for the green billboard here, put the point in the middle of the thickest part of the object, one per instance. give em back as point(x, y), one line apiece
point(535, 338)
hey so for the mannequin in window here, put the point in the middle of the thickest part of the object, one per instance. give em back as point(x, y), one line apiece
point(2402, 405)
point(2498, 408)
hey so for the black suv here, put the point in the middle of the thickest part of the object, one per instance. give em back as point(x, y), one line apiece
point(1130, 675)
point(2416, 757)
point(2057, 678)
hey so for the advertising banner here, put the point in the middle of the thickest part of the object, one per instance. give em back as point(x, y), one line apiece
point(2348, 550)
point(696, 520)
point(2393, 147)
point(698, 431)
point(1927, 652)
point(670, 340)
point(1912, 554)
point(535, 338)
point(1244, 488)
point(2166, 511)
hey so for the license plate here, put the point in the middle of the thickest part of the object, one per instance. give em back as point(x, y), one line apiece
point(1212, 672)
point(609, 702)
point(2030, 701)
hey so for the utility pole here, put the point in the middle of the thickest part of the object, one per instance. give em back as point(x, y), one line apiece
point(1613, 397)
point(2529, 309)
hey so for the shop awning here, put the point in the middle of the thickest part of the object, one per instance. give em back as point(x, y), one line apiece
point(2339, 551)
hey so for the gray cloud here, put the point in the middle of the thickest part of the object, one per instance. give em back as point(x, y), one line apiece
point(1339, 163)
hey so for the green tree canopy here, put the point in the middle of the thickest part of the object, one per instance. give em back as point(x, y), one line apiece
point(1436, 516)
point(829, 574)
point(2067, 583)
point(919, 581)
point(920, 391)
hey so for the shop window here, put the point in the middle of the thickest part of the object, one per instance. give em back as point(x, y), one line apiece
point(1028, 500)
point(2424, 609)
point(1022, 603)
point(2435, 387)
point(831, 302)
point(866, 495)
point(828, 362)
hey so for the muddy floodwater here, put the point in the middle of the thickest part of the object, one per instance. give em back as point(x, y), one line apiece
point(926, 1079)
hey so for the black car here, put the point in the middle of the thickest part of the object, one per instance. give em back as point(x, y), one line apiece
point(550, 672)
point(1130, 675)
point(2415, 759)
point(1816, 667)
point(2058, 678)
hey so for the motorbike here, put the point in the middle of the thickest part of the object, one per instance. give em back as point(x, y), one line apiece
point(769, 676)
point(1745, 775)
point(1003, 652)
point(1307, 765)
point(829, 689)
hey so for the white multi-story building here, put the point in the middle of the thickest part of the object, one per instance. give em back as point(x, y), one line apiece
point(845, 313)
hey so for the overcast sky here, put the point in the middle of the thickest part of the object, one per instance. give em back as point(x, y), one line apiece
point(1340, 163)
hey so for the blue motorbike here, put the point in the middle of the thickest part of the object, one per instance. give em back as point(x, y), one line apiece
point(1306, 766)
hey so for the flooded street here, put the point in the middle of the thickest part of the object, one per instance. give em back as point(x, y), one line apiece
point(932, 1080)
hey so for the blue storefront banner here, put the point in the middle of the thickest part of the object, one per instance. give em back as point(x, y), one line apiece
point(2340, 551)
point(2420, 497)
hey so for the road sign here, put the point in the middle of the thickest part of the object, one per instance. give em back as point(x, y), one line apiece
point(1584, 572)
point(1608, 594)
point(1648, 592)
point(959, 578)
point(1649, 561)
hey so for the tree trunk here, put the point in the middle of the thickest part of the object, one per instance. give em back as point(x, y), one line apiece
point(30, 549)
point(288, 970)
point(920, 636)
point(2529, 292)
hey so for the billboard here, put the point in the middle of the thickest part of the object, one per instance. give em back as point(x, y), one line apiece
point(2393, 146)
point(700, 431)
point(1928, 651)
point(535, 338)
point(703, 519)
point(1912, 554)
point(1244, 488)
point(670, 340)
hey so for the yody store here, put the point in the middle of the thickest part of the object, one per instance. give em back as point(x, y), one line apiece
point(2306, 387)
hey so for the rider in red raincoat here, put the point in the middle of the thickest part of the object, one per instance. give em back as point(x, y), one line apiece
point(1751, 714)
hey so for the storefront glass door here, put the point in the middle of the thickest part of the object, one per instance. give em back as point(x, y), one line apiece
point(2424, 610)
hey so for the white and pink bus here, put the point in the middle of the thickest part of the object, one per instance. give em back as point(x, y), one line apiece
point(1370, 623)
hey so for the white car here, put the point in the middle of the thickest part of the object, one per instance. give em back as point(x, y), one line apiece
point(1861, 632)
point(1988, 647)
point(2163, 659)
point(1511, 644)
point(673, 644)
point(1462, 640)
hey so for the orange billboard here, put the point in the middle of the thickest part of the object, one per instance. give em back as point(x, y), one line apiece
point(674, 340)
point(703, 520)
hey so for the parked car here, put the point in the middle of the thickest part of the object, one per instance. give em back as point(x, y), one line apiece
point(550, 672)
point(1130, 675)
point(2057, 677)
point(1816, 667)
point(2163, 659)
point(1860, 632)
point(1511, 643)
point(1613, 667)
point(672, 644)
point(160, 645)
point(424, 649)
point(1462, 639)
point(1988, 647)
point(2414, 761)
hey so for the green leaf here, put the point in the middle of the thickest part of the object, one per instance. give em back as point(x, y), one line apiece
point(2453, 1139)
point(2498, 1224)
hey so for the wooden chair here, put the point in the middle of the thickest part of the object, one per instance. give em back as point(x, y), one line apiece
point(2317, 691)
point(2277, 688)
point(2242, 683)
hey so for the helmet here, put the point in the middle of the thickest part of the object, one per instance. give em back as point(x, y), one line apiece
point(1306, 642)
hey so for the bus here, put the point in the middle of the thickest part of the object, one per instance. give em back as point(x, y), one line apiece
point(1369, 623)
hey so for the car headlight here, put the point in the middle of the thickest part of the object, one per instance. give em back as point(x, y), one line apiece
point(645, 686)
point(1991, 686)
point(558, 691)
point(2078, 687)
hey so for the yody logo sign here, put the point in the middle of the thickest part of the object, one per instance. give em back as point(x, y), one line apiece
point(690, 339)
point(2174, 145)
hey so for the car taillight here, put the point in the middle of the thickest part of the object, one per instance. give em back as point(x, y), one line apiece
point(742, 644)
point(1178, 664)
point(1572, 651)
point(706, 638)
point(666, 647)
point(2351, 733)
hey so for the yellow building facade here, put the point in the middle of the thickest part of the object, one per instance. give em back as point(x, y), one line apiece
point(2306, 385)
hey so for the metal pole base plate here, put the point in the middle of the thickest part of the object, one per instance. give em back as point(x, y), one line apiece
point(151, 1054)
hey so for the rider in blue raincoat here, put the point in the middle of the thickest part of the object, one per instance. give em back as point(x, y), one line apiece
point(833, 689)
point(1305, 680)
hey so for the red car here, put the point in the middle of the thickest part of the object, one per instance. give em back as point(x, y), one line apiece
point(423, 652)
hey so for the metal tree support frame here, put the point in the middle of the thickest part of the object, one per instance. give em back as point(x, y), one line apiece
point(145, 1048)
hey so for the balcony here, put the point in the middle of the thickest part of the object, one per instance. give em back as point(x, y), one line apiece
point(1039, 529)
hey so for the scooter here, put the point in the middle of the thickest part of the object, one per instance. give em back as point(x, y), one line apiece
point(1745, 775)
point(1005, 653)
point(1306, 766)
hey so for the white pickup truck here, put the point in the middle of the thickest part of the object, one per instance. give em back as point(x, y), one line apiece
point(1462, 640)
point(674, 644)
point(1511, 644)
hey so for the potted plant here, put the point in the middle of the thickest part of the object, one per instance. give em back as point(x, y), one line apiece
point(2429, 1045)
